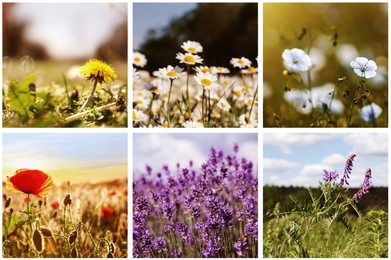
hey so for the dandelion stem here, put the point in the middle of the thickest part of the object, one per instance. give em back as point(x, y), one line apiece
point(168, 103)
point(89, 98)
point(80, 115)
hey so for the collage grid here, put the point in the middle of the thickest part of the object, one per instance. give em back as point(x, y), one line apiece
point(195, 192)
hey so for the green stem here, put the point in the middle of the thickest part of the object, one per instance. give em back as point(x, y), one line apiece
point(187, 91)
point(252, 103)
point(89, 98)
point(202, 105)
point(28, 212)
point(168, 103)
point(209, 110)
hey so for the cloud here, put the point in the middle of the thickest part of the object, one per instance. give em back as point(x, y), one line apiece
point(285, 140)
point(334, 159)
point(278, 165)
point(367, 144)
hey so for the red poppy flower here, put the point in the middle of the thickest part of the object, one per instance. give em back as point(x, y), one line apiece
point(55, 204)
point(30, 181)
point(106, 212)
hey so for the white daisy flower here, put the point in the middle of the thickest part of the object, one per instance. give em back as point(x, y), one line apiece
point(188, 58)
point(207, 80)
point(139, 59)
point(241, 63)
point(192, 47)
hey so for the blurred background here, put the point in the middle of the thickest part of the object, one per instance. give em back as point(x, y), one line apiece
point(65, 31)
point(51, 38)
point(334, 34)
point(225, 30)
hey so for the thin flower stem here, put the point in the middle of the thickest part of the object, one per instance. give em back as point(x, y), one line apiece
point(354, 101)
point(168, 103)
point(187, 90)
point(209, 110)
point(28, 212)
point(89, 98)
point(252, 104)
point(81, 114)
point(202, 106)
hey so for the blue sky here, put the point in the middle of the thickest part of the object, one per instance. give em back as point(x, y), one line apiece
point(299, 159)
point(158, 149)
point(74, 157)
point(154, 16)
point(70, 30)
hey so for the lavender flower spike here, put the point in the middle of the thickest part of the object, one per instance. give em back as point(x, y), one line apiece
point(348, 170)
point(329, 176)
point(364, 189)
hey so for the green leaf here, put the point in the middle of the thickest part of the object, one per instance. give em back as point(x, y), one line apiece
point(21, 98)
point(12, 225)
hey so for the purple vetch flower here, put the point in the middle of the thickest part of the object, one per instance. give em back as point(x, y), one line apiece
point(329, 176)
point(160, 245)
point(348, 170)
point(364, 189)
point(241, 248)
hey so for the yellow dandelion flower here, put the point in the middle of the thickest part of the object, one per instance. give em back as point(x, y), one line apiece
point(97, 70)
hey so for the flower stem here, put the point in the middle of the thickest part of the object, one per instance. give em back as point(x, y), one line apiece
point(187, 90)
point(89, 98)
point(168, 103)
point(209, 107)
point(252, 103)
point(202, 105)
point(28, 212)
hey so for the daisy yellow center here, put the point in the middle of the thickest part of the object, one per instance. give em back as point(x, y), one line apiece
point(172, 73)
point(251, 69)
point(206, 82)
point(191, 49)
point(205, 70)
point(189, 58)
point(237, 93)
point(225, 83)
point(215, 99)
point(139, 102)
point(137, 59)
point(241, 61)
point(134, 115)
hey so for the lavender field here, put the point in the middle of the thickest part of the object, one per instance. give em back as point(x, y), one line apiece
point(207, 210)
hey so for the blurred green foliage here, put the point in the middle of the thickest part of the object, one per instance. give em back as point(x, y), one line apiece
point(224, 30)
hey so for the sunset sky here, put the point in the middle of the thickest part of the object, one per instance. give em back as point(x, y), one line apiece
point(67, 157)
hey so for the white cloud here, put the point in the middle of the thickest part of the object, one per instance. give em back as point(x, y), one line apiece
point(367, 144)
point(278, 165)
point(285, 140)
point(334, 159)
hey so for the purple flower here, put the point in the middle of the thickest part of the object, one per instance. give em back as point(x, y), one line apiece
point(329, 176)
point(226, 215)
point(168, 210)
point(348, 170)
point(364, 189)
point(236, 148)
point(181, 230)
point(241, 248)
point(176, 252)
point(251, 230)
point(211, 249)
point(250, 204)
point(160, 245)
